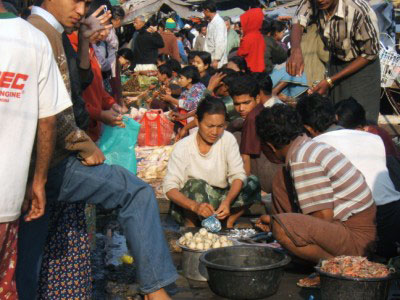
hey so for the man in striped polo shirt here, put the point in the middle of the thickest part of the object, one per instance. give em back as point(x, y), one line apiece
point(319, 118)
point(333, 212)
point(349, 31)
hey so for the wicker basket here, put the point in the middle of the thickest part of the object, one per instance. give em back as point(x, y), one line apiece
point(390, 64)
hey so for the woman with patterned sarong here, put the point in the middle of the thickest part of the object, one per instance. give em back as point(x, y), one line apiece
point(205, 173)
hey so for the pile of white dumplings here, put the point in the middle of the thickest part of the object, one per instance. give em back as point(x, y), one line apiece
point(204, 240)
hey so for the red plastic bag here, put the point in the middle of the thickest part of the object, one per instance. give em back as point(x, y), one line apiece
point(155, 130)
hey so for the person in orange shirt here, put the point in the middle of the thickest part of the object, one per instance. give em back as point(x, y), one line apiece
point(102, 108)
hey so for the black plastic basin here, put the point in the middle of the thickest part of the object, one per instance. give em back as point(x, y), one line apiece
point(335, 287)
point(244, 272)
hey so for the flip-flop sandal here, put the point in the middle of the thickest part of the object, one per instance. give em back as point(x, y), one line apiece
point(309, 286)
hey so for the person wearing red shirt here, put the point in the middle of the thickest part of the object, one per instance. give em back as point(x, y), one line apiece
point(101, 106)
point(252, 46)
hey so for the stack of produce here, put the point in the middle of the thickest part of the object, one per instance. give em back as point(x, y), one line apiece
point(354, 266)
point(132, 85)
point(204, 240)
point(152, 165)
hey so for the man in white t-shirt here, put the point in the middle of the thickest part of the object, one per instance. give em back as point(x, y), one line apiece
point(31, 94)
point(366, 152)
point(73, 180)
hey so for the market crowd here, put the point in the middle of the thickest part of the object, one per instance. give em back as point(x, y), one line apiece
point(253, 112)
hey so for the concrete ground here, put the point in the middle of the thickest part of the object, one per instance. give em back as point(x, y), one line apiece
point(188, 289)
point(118, 284)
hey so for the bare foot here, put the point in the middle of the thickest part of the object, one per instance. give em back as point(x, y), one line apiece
point(161, 294)
point(229, 225)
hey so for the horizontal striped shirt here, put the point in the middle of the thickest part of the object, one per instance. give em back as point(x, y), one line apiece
point(352, 31)
point(325, 179)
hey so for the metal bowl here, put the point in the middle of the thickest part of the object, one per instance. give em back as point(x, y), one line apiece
point(191, 267)
point(244, 272)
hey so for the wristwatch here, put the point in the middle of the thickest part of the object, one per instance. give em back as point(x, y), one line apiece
point(329, 81)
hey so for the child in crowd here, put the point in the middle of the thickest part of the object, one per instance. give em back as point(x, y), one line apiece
point(218, 87)
point(181, 47)
point(202, 61)
point(238, 64)
point(175, 66)
point(151, 96)
point(162, 59)
point(274, 54)
point(278, 32)
point(191, 56)
point(193, 90)
point(125, 58)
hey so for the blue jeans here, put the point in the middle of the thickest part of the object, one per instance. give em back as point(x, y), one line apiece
point(110, 186)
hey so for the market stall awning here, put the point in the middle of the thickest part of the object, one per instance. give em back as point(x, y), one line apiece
point(234, 12)
point(134, 8)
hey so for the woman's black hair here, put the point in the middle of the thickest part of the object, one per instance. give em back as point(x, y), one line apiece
point(202, 24)
point(174, 64)
point(231, 75)
point(25, 13)
point(95, 4)
point(179, 35)
point(240, 62)
point(163, 57)
point(264, 82)
point(279, 125)
point(165, 69)
point(212, 106)
point(278, 26)
point(191, 55)
point(126, 53)
point(191, 72)
point(117, 12)
point(316, 111)
point(244, 85)
point(266, 27)
point(350, 114)
point(161, 24)
point(185, 32)
point(204, 56)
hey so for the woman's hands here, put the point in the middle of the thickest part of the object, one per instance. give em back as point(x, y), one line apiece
point(204, 210)
point(223, 210)
point(167, 96)
point(111, 117)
